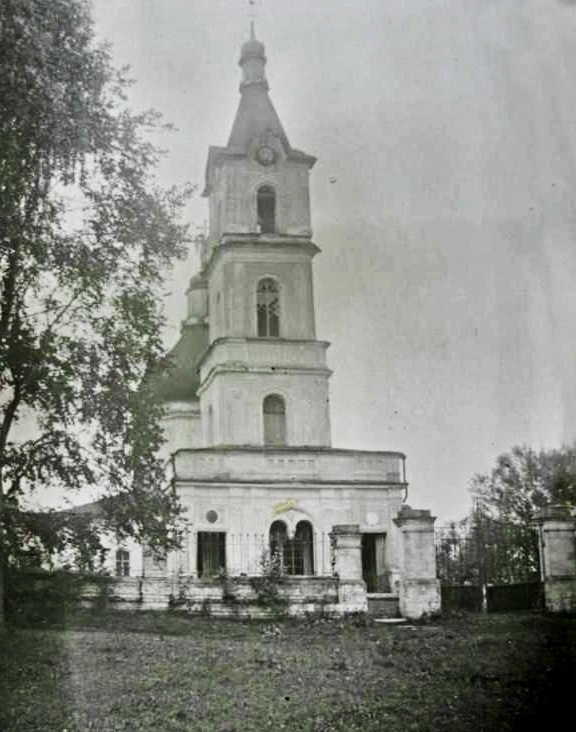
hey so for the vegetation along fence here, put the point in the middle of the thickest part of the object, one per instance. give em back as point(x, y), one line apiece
point(485, 564)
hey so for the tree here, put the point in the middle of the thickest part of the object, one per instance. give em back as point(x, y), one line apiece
point(86, 237)
point(497, 543)
point(524, 480)
point(507, 501)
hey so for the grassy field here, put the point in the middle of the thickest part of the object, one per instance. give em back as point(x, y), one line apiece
point(163, 672)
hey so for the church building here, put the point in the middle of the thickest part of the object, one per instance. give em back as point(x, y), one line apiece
point(247, 409)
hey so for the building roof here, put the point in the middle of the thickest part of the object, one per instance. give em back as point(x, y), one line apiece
point(180, 381)
point(255, 117)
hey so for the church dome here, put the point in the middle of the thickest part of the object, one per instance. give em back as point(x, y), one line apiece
point(180, 380)
point(252, 49)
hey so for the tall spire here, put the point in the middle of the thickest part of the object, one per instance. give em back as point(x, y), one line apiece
point(256, 118)
point(256, 115)
point(252, 62)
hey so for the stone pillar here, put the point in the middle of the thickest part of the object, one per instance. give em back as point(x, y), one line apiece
point(347, 542)
point(419, 588)
point(558, 558)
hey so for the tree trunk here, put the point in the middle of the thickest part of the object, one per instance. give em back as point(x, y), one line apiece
point(2, 557)
point(4, 432)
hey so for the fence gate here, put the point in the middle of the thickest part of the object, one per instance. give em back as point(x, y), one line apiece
point(490, 565)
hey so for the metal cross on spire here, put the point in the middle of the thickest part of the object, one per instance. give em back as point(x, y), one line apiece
point(253, 9)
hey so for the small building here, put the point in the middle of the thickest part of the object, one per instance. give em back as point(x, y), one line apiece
point(121, 557)
point(247, 403)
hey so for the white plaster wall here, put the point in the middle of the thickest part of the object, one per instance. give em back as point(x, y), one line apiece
point(283, 465)
point(233, 198)
point(267, 353)
point(237, 397)
point(111, 543)
point(233, 283)
point(245, 513)
point(219, 303)
point(182, 427)
point(197, 298)
point(131, 546)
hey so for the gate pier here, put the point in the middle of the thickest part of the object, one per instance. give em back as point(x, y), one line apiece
point(557, 533)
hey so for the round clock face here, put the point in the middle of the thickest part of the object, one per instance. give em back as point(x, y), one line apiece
point(265, 155)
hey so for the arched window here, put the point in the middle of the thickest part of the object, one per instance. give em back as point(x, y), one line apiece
point(266, 209)
point(278, 542)
point(297, 554)
point(303, 551)
point(268, 308)
point(274, 411)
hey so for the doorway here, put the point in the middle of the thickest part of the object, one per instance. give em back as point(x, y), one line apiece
point(211, 554)
point(373, 563)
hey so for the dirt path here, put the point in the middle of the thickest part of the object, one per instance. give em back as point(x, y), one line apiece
point(80, 689)
point(95, 681)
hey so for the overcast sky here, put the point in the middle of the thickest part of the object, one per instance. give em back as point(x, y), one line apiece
point(446, 279)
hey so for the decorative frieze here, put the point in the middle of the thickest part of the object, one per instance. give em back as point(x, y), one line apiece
point(287, 464)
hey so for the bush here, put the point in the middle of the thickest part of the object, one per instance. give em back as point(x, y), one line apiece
point(267, 585)
point(39, 597)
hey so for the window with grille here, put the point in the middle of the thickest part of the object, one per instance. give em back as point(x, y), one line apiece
point(297, 554)
point(274, 420)
point(211, 556)
point(122, 563)
point(268, 308)
point(266, 209)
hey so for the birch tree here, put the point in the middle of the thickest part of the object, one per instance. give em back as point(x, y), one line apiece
point(86, 238)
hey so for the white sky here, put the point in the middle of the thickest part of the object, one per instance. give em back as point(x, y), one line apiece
point(446, 282)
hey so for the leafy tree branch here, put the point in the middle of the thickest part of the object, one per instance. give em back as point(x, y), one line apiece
point(86, 240)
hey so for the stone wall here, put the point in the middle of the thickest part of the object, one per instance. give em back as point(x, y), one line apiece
point(246, 597)
point(341, 590)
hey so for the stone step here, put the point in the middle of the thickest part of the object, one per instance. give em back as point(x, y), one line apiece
point(383, 605)
point(393, 621)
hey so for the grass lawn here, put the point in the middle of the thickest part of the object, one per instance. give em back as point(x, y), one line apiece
point(164, 672)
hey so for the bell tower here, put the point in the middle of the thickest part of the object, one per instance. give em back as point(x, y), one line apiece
point(263, 377)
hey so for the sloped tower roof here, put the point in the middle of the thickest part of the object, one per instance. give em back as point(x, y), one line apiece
point(180, 381)
point(256, 114)
point(256, 117)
